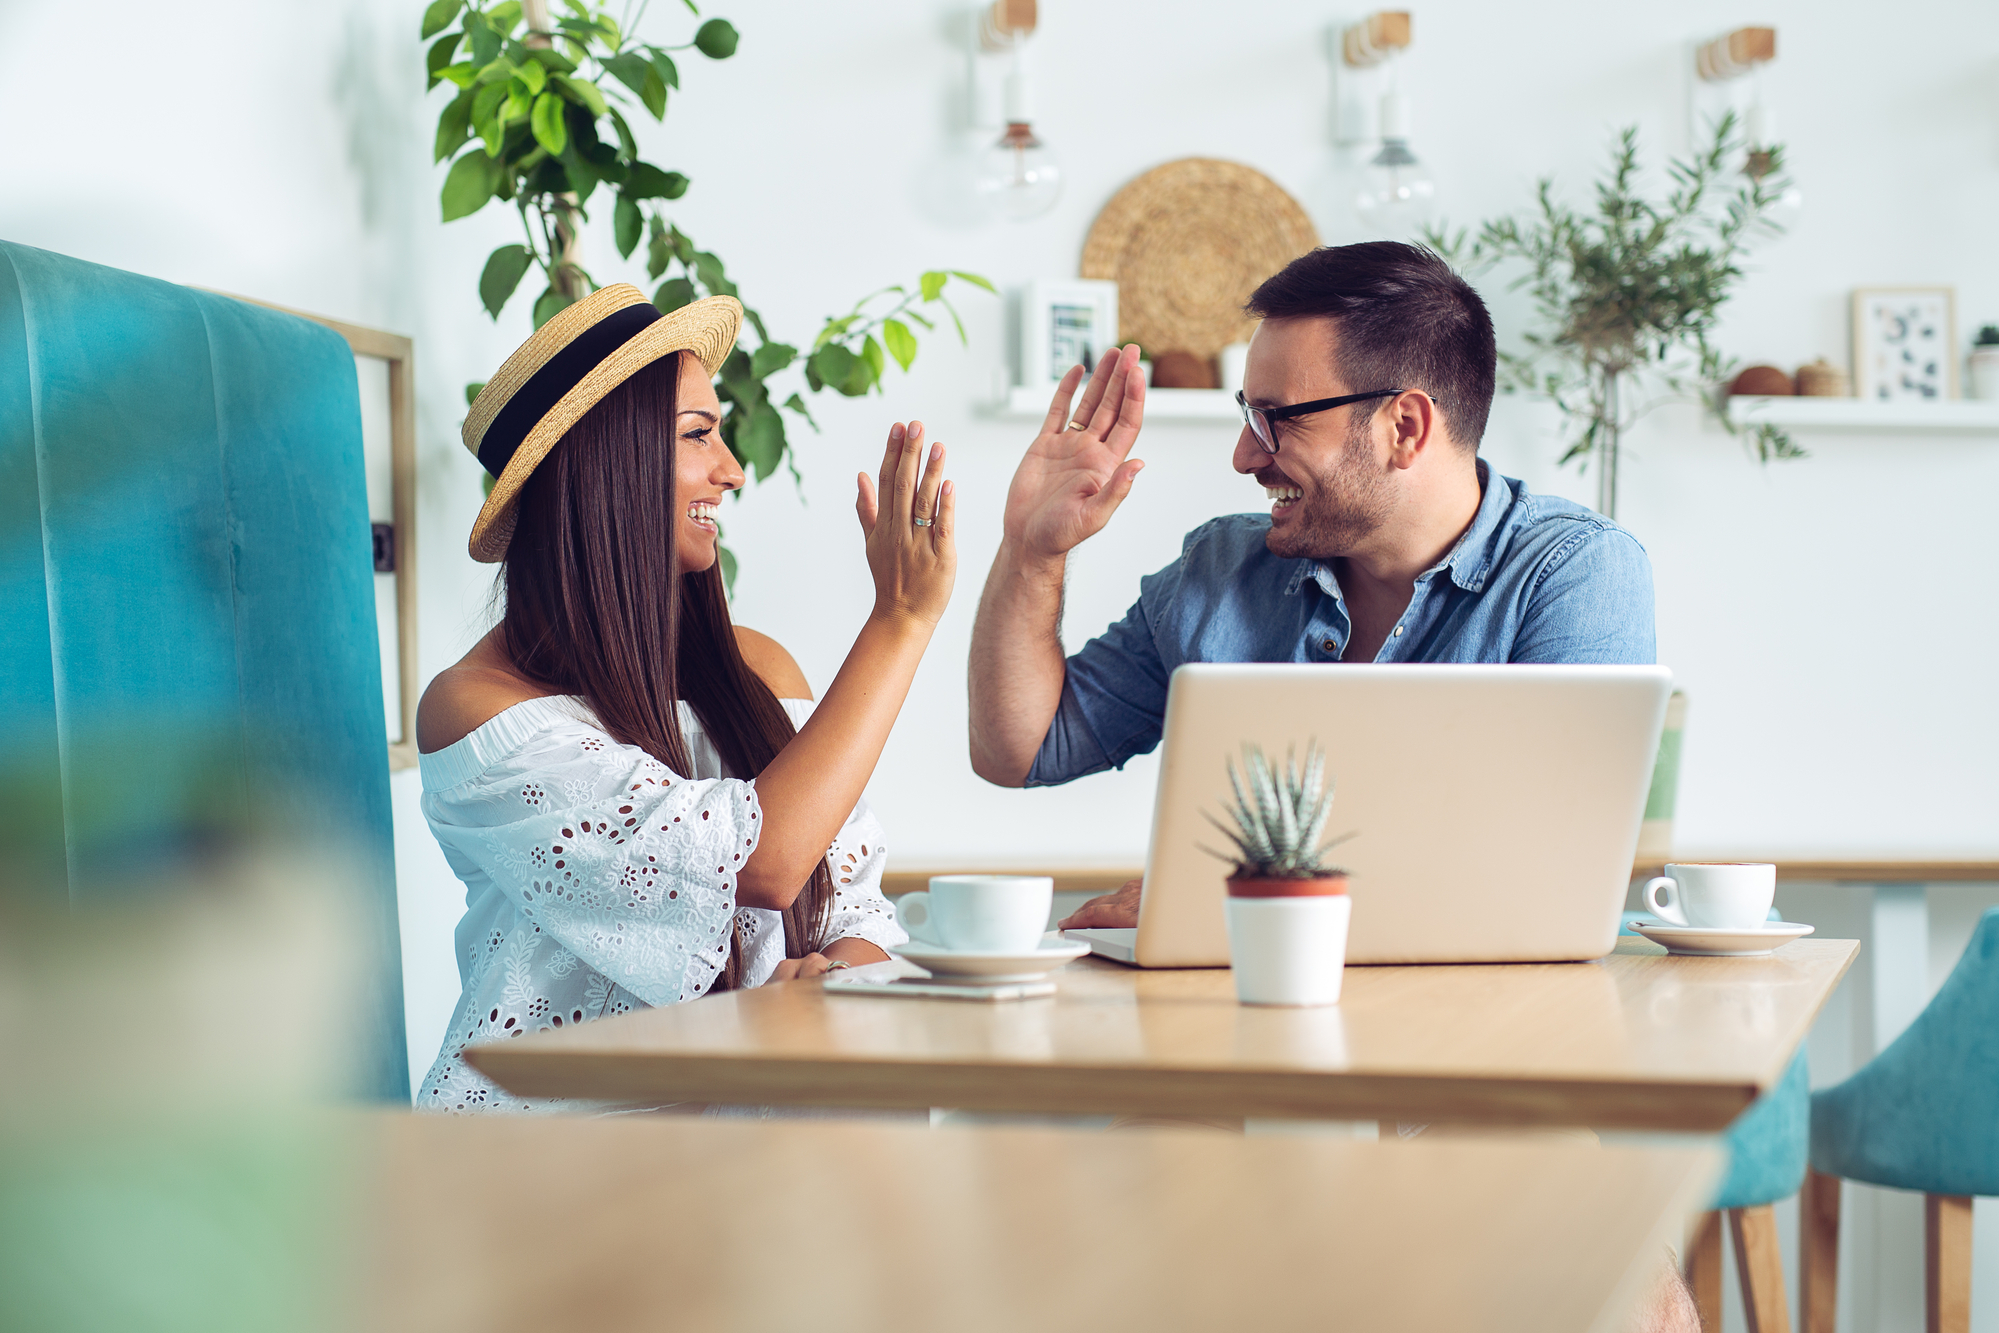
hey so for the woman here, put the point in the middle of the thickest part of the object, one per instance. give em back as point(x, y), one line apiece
point(639, 796)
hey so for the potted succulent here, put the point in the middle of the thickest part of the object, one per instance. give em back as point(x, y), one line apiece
point(1287, 907)
point(1985, 363)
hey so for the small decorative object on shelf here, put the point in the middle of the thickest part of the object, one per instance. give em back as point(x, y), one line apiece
point(1761, 381)
point(1183, 370)
point(1904, 343)
point(1983, 380)
point(1232, 364)
point(1063, 324)
point(1288, 908)
point(1821, 379)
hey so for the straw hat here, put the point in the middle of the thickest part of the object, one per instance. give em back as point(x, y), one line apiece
point(564, 370)
point(1186, 244)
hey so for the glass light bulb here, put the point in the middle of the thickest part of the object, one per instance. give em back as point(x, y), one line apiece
point(1397, 195)
point(1020, 177)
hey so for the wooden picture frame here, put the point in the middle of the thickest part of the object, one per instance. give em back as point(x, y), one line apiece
point(1905, 344)
point(400, 354)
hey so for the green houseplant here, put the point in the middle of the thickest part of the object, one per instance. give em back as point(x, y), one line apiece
point(1626, 296)
point(542, 119)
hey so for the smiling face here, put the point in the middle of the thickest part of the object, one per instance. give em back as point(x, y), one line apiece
point(704, 470)
point(1332, 482)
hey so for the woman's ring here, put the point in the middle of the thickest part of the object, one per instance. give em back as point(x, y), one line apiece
point(1079, 425)
point(924, 522)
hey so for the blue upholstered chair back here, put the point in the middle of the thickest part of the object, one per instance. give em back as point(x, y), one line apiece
point(1924, 1113)
point(187, 615)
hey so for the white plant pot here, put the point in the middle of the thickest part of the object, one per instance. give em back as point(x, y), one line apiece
point(1290, 950)
point(1983, 380)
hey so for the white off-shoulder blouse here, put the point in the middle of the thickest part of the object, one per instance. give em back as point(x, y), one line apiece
point(599, 881)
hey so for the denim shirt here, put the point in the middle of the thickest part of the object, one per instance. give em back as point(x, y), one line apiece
point(1533, 579)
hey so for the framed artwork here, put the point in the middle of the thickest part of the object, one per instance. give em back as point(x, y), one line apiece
point(1063, 323)
point(1905, 343)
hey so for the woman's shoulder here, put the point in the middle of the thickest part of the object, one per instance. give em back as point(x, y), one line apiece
point(466, 696)
point(776, 667)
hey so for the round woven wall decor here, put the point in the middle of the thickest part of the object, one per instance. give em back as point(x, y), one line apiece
point(1186, 244)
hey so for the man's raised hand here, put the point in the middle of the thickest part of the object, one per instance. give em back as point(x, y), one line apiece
point(1076, 472)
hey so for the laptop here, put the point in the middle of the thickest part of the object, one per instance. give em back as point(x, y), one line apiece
point(1494, 810)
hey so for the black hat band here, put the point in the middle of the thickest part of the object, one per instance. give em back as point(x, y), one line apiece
point(561, 373)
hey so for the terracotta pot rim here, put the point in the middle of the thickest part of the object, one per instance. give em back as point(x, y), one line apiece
point(1248, 887)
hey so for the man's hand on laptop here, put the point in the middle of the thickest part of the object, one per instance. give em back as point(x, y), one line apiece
point(1076, 472)
point(1110, 909)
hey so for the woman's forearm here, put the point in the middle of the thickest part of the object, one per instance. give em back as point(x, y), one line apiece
point(854, 951)
point(808, 791)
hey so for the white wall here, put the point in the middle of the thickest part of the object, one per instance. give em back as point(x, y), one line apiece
point(1828, 616)
point(1833, 619)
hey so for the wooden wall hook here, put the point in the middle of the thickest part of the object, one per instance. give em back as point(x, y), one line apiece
point(1003, 22)
point(1733, 54)
point(1375, 38)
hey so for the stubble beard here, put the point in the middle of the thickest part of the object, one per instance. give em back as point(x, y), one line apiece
point(1347, 505)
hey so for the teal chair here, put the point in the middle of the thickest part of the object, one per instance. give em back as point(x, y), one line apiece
point(1766, 1150)
point(1921, 1115)
point(187, 606)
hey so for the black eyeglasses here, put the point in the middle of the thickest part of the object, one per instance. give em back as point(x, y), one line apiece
point(1262, 421)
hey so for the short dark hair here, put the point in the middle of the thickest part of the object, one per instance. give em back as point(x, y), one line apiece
point(1405, 319)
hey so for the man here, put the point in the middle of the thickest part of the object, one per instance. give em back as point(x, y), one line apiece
point(1388, 539)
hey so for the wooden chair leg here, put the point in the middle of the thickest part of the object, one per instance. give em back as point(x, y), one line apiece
point(1704, 1271)
point(1947, 1263)
point(1759, 1267)
point(1818, 1252)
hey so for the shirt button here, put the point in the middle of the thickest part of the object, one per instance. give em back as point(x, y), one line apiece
point(1398, 631)
point(1329, 645)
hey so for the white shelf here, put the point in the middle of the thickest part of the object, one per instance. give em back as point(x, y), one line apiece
point(1160, 405)
point(1955, 416)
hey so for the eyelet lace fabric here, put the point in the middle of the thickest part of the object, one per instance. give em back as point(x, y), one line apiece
point(597, 881)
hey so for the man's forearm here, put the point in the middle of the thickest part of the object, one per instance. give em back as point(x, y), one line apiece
point(1016, 665)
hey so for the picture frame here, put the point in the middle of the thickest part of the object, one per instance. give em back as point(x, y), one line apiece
point(1905, 344)
point(1063, 322)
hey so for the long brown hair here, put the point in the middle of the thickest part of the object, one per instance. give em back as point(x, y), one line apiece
point(597, 606)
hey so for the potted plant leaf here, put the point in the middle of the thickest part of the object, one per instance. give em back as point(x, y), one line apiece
point(542, 118)
point(1288, 908)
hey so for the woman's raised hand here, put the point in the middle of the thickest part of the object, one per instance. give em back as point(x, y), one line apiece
point(910, 519)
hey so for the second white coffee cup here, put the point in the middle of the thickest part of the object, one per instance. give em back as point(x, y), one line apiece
point(979, 913)
point(1724, 897)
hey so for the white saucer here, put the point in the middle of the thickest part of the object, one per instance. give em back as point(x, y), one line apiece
point(953, 964)
point(1722, 942)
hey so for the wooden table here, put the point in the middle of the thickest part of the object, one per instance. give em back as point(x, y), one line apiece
point(1817, 869)
point(1894, 988)
point(1636, 1040)
point(662, 1222)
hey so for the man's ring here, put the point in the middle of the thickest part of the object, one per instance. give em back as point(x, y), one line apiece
point(924, 522)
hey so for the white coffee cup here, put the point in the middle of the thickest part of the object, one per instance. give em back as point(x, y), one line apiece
point(979, 913)
point(1724, 897)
